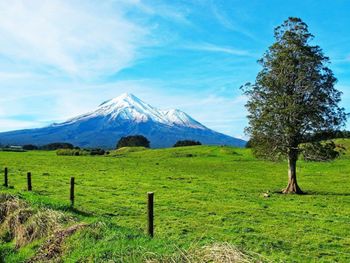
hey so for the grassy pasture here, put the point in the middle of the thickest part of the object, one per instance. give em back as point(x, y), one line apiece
point(203, 195)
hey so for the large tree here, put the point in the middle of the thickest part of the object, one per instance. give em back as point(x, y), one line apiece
point(293, 99)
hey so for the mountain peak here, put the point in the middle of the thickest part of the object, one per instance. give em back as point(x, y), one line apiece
point(124, 115)
point(124, 97)
point(129, 107)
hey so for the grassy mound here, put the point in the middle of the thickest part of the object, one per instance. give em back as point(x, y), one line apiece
point(127, 150)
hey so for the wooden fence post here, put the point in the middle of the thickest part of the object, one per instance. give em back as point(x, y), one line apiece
point(6, 182)
point(150, 213)
point(71, 192)
point(29, 181)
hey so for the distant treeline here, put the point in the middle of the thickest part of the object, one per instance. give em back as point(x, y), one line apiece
point(318, 137)
point(64, 148)
point(31, 147)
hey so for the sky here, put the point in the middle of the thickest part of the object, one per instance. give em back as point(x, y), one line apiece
point(59, 59)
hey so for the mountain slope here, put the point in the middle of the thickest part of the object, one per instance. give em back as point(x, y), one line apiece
point(122, 116)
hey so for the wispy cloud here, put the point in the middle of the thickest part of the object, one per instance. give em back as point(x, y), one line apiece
point(69, 37)
point(221, 49)
point(227, 22)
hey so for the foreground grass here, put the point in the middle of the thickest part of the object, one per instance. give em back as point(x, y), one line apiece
point(203, 195)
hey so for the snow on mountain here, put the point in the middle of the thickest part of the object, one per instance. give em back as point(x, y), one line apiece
point(122, 116)
point(129, 107)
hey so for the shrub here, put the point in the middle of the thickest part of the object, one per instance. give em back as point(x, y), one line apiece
point(132, 141)
point(72, 152)
point(57, 145)
point(30, 147)
point(97, 151)
point(186, 143)
point(80, 152)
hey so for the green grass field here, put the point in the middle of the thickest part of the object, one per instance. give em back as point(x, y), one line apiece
point(203, 195)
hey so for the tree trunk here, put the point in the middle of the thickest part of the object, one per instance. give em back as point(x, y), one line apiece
point(292, 187)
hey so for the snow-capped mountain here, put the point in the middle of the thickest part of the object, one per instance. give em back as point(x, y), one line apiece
point(129, 107)
point(122, 116)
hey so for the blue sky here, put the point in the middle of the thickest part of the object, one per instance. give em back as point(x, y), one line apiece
point(63, 58)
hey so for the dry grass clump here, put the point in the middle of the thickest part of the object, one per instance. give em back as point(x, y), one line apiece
point(224, 253)
point(215, 253)
point(24, 224)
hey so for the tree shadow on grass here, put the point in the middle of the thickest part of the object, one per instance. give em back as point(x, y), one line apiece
point(324, 193)
point(280, 192)
point(78, 212)
point(321, 193)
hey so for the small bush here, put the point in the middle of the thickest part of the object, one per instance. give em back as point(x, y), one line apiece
point(80, 152)
point(186, 143)
point(30, 147)
point(97, 151)
point(56, 146)
point(72, 152)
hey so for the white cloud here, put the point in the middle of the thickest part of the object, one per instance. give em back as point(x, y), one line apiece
point(69, 37)
point(222, 49)
point(10, 124)
point(50, 50)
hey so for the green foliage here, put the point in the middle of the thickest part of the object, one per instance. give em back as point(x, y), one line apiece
point(97, 151)
point(342, 134)
point(80, 152)
point(293, 96)
point(57, 145)
point(72, 152)
point(321, 151)
point(30, 147)
point(133, 141)
point(249, 144)
point(186, 143)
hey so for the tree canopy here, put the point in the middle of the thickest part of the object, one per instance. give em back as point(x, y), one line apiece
point(293, 98)
point(133, 140)
point(186, 143)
